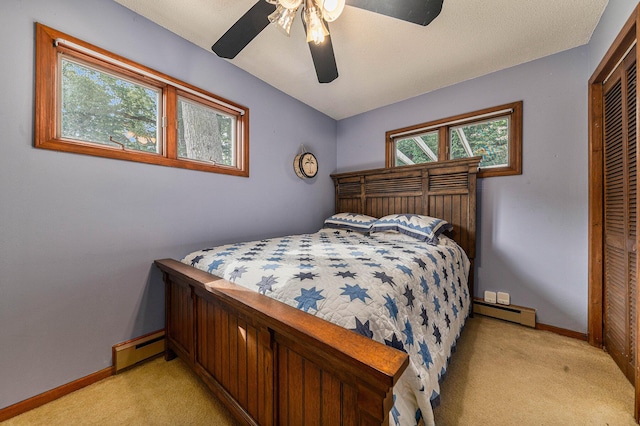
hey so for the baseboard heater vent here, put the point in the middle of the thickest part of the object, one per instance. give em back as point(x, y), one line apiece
point(513, 313)
point(136, 350)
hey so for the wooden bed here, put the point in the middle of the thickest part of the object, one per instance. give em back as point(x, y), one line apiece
point(270, 363)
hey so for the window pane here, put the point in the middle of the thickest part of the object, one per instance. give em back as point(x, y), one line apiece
point(417, 149)
point(99, 107)
point(205, 134)
point(489, 139)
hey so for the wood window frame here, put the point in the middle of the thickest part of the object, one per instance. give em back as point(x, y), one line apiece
point(443, 126)
point(46, 134)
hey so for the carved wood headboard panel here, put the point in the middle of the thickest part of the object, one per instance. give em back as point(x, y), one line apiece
point(446, 190)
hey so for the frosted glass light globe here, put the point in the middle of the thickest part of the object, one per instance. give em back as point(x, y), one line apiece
point(331, 9)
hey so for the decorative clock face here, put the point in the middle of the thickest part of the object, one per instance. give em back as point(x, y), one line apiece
point(309, 164)
point(306, 165)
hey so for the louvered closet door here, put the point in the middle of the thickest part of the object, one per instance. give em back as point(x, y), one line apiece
point(620, 251)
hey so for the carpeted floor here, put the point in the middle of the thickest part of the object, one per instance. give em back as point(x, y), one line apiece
point(154, 393)
point(500, 374)
point(506, 374)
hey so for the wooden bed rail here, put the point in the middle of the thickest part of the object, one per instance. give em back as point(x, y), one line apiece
point(271, 363)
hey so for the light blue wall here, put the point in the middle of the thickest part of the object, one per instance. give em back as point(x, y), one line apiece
point(532, 234)
point(613, 19)
point(78, 234)
point(532, 227)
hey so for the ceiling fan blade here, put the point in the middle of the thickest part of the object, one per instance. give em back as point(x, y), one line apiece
point(244, 30)
point(323, 58)
point(420, 12)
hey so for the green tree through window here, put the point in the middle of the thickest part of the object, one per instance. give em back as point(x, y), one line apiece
point(490, 140)
point(417, 149)
point(495, 134)
point(93, 102)
point(98, 107)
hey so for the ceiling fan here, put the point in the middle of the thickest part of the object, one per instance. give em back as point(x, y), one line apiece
point(315, 17)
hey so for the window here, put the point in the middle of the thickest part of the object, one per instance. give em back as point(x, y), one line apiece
point(495, 134)
point(98, 107)
point(90, 101)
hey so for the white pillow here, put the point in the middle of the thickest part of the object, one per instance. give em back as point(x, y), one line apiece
point(393, 236)
point(423, 228)
point(350, 221)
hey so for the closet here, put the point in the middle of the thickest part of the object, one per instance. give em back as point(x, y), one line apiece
point(619, 203)
point(613, 238)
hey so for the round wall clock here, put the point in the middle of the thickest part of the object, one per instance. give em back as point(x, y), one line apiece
point(305, 165)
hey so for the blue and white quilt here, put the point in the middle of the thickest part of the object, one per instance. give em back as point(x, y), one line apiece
point(405, 293)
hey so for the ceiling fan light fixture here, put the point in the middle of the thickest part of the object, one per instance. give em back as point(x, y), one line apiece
point(331, 9)
point(316, 30)
point(315, 15)
point(282, 18)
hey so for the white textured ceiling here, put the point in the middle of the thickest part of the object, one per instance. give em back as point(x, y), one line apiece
point(382, 60)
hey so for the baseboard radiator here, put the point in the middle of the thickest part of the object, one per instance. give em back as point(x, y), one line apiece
point(131, 352)
point(512, 313)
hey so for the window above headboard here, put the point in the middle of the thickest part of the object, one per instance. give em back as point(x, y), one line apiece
point(495, 134)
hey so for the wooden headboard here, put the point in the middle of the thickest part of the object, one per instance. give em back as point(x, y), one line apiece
point(446, 190)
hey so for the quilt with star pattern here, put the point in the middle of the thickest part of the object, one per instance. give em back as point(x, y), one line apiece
point(404, 293)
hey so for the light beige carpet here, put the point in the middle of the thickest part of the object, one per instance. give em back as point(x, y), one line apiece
point(506, 374)
point(500, 374)
point(154, 393)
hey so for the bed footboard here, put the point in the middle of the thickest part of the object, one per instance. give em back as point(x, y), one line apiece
point(270, 363)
